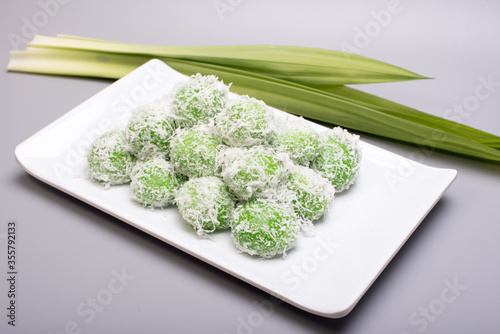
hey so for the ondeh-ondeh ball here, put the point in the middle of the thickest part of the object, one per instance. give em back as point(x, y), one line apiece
point(245, 122)
point(264, 228)
point(299, 140)
point(108, 160)
point(339, 158)
point(253, 172)
point(312, 194)
point(206, 204)
point(199, 99)
point(154, 182)
point(149, 130)
point(194, 151)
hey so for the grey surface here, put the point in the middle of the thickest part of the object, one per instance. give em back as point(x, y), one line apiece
point(69, 252)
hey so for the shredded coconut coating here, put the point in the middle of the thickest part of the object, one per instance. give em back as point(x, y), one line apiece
point(245, 122)
point(154, 182)
point(149, 130)
point(199, 99)
point(254, 172)
point(108, 160)
point(299, 140)
point(194, 151)
point(228, 163)
point(206, 204)
point(264, 228)
point(312, 194)
point(339, 158)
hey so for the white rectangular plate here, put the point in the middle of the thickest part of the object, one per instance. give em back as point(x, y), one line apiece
point(325, 274)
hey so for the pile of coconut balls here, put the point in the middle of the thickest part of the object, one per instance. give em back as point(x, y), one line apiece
point(228, 163)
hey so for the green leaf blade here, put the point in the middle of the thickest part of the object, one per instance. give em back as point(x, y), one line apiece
point(340, 105)
point(310, 66)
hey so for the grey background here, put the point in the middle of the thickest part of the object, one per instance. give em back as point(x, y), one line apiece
point(69, 252)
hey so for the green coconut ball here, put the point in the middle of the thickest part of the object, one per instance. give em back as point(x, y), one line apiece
point(149, 130)
point(199, 99)
point(245, 122)
point(339, 158)
point(108, 160)
point(206, 204)
point(253, 172)
point(194, 151)
point(312, 194)
point(154, 182)
point(299, 140)
point(264, 228)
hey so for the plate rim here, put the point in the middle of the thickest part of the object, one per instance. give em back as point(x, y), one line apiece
point(20, 156)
